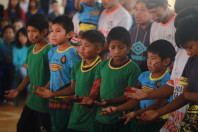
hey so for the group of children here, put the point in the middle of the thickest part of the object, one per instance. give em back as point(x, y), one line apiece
point(77, 91)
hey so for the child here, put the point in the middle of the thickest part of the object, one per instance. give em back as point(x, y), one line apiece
point(18, 23)
point(19, 55)
point(55, 9)
point(35, 115)
point(83, 76)
point(186, 37)
point(6, 66)
point(161, 53)
point(14, 11)
point(33, 8)
point(115, 74)
point(88, 14)
point(61, 60)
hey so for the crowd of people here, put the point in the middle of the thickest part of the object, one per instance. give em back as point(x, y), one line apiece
point(112, 66)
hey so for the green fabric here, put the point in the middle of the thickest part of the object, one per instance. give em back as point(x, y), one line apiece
point(59, 119)
point(113, 83)
point(81, 117)
point(99, 127)
point(139, 127)
point(39, 75)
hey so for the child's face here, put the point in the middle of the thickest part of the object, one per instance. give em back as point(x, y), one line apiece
point(154, 62)
point(157, 13)
point(55, 6)
point(14, 3)
point(33, 4)
point(4, 23)
point(9, 34)
point(191, 48)
point(88, 50)
point(118, 50)
point(23, 39)
point(18, 25)
point(34, 35)
point(58, 34)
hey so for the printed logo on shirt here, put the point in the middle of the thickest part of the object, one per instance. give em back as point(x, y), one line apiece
point(63, 59)
point(170, 37)
point(138, 48)
point(110, 24)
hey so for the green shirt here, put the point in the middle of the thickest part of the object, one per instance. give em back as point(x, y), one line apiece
point(81, 117)
point(39, 75)
point(114, 80)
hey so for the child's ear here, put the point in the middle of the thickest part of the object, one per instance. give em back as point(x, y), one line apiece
point(69, 35)
point(99, 49)
point(166, 61)
point(129, 47)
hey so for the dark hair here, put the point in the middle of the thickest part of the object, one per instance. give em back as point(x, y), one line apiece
point(17, 8)
point(163, 48)
point(120, 34)
point(39, 21)
point(183, 4)
point(24, 32)
point(138, 1)
point(184, 13)
point(65, 21)
point(37, 4)
point(54, 1)
point(94, 36)
point(8, 26)
point(150, 4)
point(187, 30)
point(17, 20)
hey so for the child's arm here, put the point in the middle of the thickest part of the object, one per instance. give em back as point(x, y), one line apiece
point(131, 104)
point(105, 102)
point(172, 106)
point(162, 92)
point(47, 93)
point(11, 94)
point(77, 6)
point(94, 94)
point(191, 96)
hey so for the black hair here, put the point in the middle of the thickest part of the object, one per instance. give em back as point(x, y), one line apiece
point(17, 20)
point(183, 4)
point(120, 34)
point(65, 21)
point(187, 30)
point(94, 36)
point(163, 48)
point(37, 4)
point(54, 1)
point(8, 26)
point(150, 4)
point(17, 9)
point(24, 32)
point(39, 21)
point(138, 1)
point(184, 13)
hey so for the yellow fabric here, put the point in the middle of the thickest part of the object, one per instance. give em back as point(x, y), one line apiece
point(86, 27)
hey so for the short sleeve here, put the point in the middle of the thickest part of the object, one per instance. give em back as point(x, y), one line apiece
point(184, 78)
point(134, 74)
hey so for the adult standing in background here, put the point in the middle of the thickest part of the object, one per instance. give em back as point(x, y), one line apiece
point(113, 15)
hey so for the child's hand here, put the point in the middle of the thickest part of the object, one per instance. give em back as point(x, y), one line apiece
point(149, 115)
point(108, 111)
point(137, 94)
point(104, 103)
point(43, 92)
point(128, 116)
point(11, 94)
point(88, 101)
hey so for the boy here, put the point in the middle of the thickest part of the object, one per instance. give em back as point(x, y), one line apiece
point(163, 27)
point(88, 14)
point(113, 76)
point(35, 115)
point(83, 76)
point(18, 24)
point(186, 37)
point(61, 60)
point(55, 9)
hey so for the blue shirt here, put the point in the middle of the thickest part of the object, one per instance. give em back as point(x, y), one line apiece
point(5, 49)
point(19, 56)
point(60, 63)
point(90, 14)
point(148, 84)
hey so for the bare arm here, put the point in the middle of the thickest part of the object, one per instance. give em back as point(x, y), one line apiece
point(191, 96)
point(67, 91)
